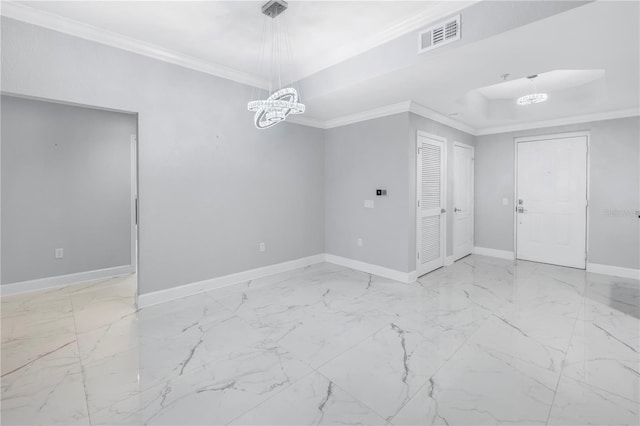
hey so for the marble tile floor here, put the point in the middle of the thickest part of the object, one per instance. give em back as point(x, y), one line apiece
point(484, 341)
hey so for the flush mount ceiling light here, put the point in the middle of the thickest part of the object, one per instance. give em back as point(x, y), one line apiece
point(534, 97)
point(282, 101)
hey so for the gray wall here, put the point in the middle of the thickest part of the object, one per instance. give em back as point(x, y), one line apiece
point(66, 183)
point(614, 239)
point(452, 135)
point(359, 158)
point(211, 186)
point(380, 153)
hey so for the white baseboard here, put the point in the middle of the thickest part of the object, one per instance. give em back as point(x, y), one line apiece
point(63, 280)
point(616, 271)
point(156, 297)
point(502, 254)
point(392, 274)
point(448, 261)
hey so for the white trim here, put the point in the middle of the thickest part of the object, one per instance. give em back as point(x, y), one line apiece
point(616, 271)
point(134, 196)
point(501, 254)
point(156, 297)
point(443, 199)
point(24, 13)
point(449, 260)
point(392, 274)
point(425, 112)
point(64, 280)
point(305, 120)
point(601, 116)
point(382, 111)
point(385, 111)
point(161, 296)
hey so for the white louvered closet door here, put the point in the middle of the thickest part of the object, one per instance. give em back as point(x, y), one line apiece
point(430, 204)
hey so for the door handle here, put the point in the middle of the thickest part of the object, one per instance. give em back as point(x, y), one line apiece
point(456, 210)
point(443, 210)
point(521, 210)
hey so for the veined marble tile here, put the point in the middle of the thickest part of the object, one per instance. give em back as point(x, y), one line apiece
point(621, 294)
point(103, 305)
point(604, 351)
point(47, 389)
point(577, 403)
point(314, 323)
point(479, 342)
point(318, 401)
point(388, 368)
point(215, 395)
point(478, 386)
point(46, 400)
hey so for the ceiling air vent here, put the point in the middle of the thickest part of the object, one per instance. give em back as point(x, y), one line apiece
point(440, 34)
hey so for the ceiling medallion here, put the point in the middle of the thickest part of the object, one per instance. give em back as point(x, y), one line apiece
point(283, 101)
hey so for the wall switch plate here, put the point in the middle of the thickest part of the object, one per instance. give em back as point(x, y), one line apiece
point(359, 242)
point(263, 247)
point(59, 253)
point(381, 192)
point(368, 204)
point(505, 202)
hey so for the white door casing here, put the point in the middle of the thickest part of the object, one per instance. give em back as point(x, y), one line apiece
point(431, 202)
point(551, 199)
point(463, 182)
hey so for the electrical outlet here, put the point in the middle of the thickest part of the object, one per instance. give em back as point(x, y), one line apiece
point(59, 253)
point(263, 247)
point(359, 242)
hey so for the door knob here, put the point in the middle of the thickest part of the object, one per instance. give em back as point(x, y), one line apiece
point(456, 210)
point(443, 211)
point(521, 210)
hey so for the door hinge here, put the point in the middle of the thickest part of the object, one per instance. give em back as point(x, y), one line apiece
point(418, 203)
point(418, 255)
point(419, 148)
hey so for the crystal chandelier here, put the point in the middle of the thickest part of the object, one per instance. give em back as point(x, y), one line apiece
point(532, 98)
point(283, 101)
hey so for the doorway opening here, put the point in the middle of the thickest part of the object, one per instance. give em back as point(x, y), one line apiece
point(69, 194)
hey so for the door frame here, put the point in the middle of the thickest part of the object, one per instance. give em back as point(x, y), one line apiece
point(443, 202)
point(472, 208)
point(135, 213)
point(516, 141)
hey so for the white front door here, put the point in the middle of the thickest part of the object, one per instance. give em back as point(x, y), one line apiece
point(431, 201)
point(551, 200)
point(462, 200)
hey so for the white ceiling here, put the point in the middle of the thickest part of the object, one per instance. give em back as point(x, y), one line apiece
point(597, 38)
point(572, 40)
point(230, 33)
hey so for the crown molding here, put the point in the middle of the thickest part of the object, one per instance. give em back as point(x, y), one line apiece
point(425, 112)
point(601, 116)
point(306, 121)
point(64, 25)
point(383, 111)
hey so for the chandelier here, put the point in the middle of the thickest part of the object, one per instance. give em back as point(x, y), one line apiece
point(534, 97)
point(282, 101)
